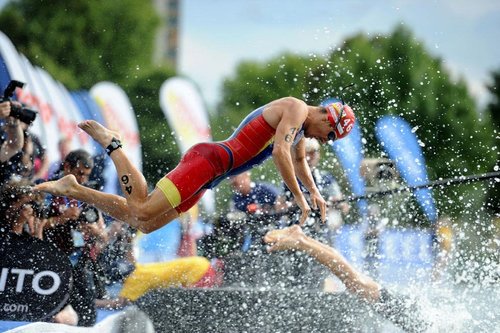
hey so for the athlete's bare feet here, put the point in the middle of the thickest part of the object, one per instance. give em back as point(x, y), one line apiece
point(98, 132)
point(284, 239)
point(62, 187)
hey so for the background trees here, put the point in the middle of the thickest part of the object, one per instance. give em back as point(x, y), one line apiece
point(493, 201)
point(393, 74)
point(83, 42)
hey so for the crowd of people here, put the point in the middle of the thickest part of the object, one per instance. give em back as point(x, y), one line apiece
point(95, 230)
point(63, 222)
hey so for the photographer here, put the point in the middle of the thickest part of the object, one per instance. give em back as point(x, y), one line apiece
point(11, 140)
point(30, 160)
point(34, 155)
point(66, 212)
point(74, 228)
point(18, 210)
point(20, 218)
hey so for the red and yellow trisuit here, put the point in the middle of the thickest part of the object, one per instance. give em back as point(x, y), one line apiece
point(205, 165)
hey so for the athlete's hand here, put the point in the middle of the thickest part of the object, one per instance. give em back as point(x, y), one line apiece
point(318, 201)
point(304, 207)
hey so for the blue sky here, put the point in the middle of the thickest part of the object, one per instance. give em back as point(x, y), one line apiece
point(215, 35)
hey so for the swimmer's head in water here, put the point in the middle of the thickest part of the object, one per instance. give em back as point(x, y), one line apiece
point(342, 119)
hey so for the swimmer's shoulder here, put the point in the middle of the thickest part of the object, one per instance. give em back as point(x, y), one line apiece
point(274, 111)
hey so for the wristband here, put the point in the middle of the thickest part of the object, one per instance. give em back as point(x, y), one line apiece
point(114, 145)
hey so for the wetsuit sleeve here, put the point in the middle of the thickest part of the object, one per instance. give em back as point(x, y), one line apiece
point(402, 311)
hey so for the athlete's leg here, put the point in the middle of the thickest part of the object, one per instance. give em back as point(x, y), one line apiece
point(178, 189)
point(293, 238)
point(111, 204)
point(141, 205)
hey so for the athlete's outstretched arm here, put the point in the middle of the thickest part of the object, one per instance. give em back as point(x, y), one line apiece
point(292, 238)
point(292, 113)
point(303, 173)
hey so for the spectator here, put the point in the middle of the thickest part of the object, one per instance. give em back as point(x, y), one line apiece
point(17, 209)
point(443, 246)
point(375, 227)
point(66, 211)
point(189, 235)
point(69, 232)
point(22, 164)
point(38, 157)
point(31, 162)
point(19, 215)
point(257, 202)
point(252, 197)
point(11, 141)
point(116, 255)
point(56, 168)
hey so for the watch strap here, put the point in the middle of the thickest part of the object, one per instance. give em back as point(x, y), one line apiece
point(114, 145)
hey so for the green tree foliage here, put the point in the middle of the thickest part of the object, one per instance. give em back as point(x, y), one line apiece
point(393, 74)
point(82, 42)
point(396, 75)
point(494, 112)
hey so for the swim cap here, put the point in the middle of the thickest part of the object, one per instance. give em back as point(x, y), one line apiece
point(342, 121)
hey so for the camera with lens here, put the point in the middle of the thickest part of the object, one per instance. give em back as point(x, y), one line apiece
point(23, 114)
point(89, 214)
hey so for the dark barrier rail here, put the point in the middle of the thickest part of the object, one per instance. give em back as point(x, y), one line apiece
point(436, 183)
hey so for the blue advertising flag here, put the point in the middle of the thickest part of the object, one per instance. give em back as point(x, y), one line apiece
point(87, 106)
point(401, 144)
point(349, 151)
point(4, 74)
point(89, 110)
point(106, 175)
